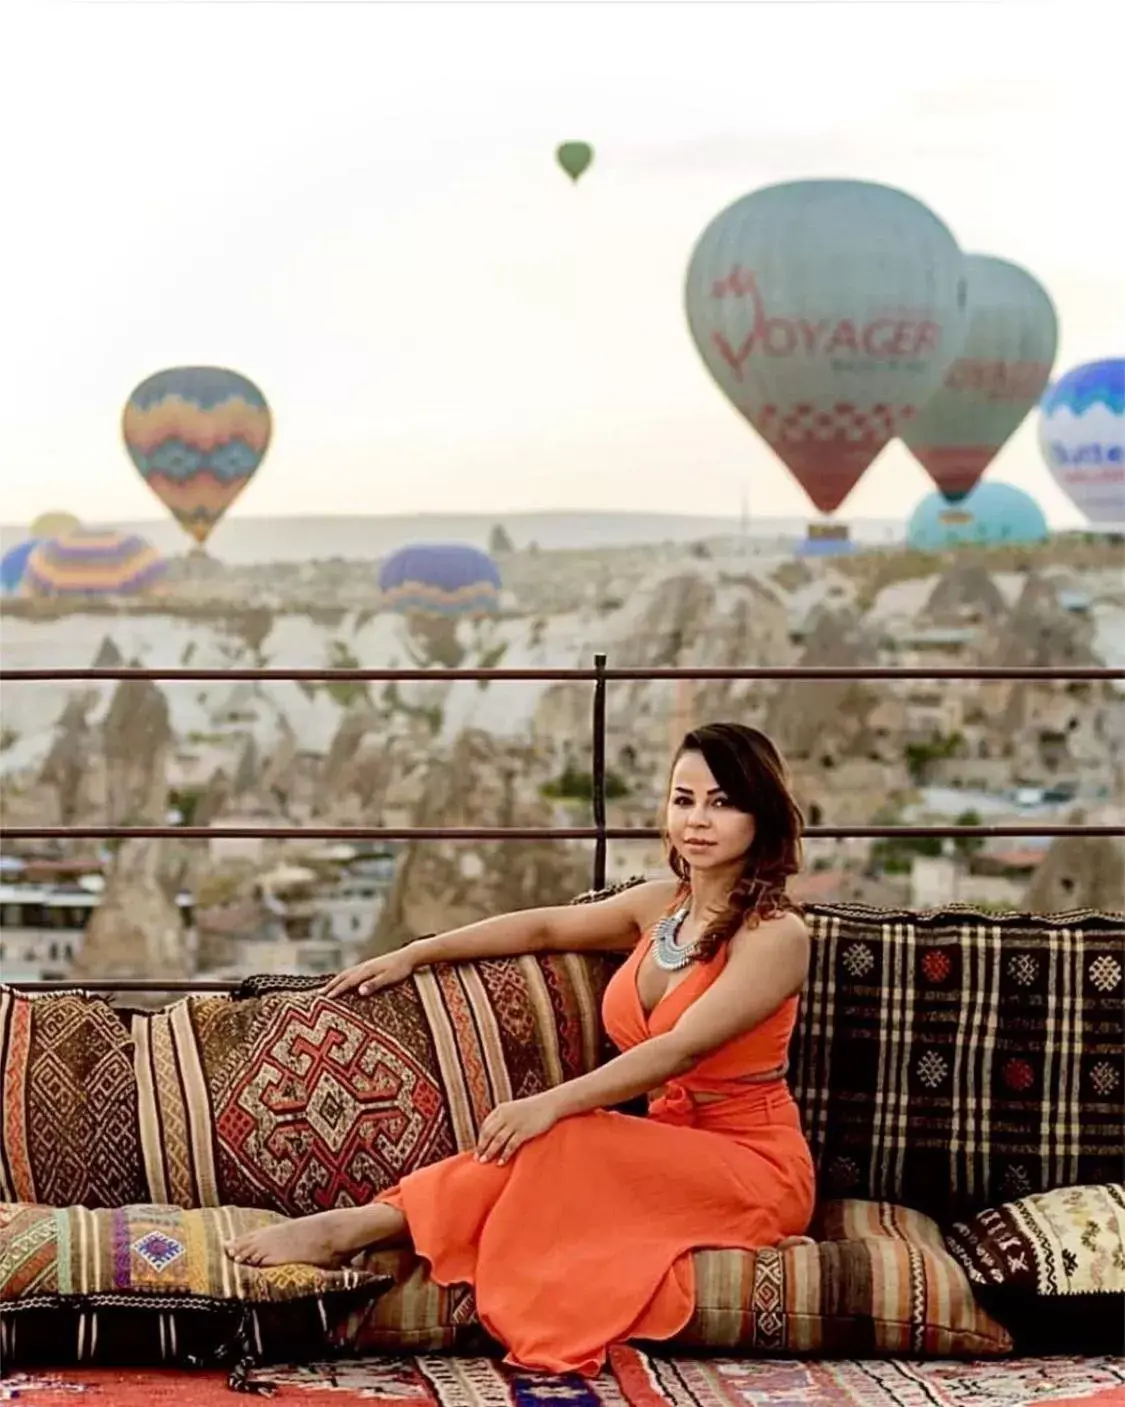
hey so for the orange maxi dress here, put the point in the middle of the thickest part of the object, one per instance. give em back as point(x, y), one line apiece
point(584, 1238)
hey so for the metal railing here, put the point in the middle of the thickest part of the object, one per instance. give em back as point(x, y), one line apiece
point(599, 832)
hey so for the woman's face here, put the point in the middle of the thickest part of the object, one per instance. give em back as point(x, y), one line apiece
point(702, 824)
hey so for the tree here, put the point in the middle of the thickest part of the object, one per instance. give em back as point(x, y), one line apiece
point(967, 845)
point(499, 542)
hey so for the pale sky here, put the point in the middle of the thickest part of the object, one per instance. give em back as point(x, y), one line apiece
point(357, 206)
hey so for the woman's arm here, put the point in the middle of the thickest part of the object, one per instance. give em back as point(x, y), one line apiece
point(610, 925)
point(766, 965)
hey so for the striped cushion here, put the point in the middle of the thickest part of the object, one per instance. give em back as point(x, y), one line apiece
point(146, 1284)
point(880, 1281)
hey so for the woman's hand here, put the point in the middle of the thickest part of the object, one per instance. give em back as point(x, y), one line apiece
point(511, 1125)
point(372, 975)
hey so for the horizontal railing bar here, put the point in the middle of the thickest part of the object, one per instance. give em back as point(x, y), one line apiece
point(126, 984)
point(356, 676)
point(505, 833)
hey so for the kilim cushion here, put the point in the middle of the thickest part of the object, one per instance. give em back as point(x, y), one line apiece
point(953, 1060)
point(68, 1114)
point(1052, 1268)
point(283, 1099)
point(879, 1282)
point(148, 1284)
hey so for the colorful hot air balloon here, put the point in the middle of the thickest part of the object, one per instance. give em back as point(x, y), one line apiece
point(13, 565)
point(197, 434)
point(995, 382)
point(990, 515)
point(440, 579)
point(93, 563)
point(1082, 436)
point(53, 524)
point(827, 311)
point(574, 158)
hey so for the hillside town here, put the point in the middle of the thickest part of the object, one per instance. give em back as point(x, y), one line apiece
point(482, 753)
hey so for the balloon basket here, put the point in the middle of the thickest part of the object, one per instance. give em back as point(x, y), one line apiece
point(826, 540)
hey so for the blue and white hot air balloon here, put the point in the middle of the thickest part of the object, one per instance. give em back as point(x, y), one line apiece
point(1082, 436)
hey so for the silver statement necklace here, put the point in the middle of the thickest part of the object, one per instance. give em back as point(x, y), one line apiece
point(669, 954)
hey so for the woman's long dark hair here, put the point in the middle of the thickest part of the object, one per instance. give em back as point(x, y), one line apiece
point(745, 763)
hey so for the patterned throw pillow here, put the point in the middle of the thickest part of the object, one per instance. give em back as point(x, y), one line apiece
point(953, 1060)
point(1052, 1268)
point(880, 1281)
point(148, 1284)
point(69, 1134)
point(280, 1098)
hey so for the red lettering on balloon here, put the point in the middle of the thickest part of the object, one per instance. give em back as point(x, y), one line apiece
point(881, 339)
point(999, 380)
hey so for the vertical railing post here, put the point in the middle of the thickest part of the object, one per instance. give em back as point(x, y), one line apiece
point(598, 788)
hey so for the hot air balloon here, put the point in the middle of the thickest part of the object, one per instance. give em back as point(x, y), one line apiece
point(53, 524)
point(990, 515)
point(93, 563)
point(574, 158)
point(1082, 436)
point(197, 434)
point(995, 382)
point(828, 312)
point(440, 579)
point(13, 565)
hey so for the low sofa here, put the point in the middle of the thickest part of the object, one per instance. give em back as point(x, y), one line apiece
point(959, 1075)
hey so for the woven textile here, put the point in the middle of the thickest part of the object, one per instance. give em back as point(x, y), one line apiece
point(649, 1381)
point(879, 1281)
point(1052, 1267)
point(153, 1284)
point(296, 1103)
point(68, 1112)
point(633, 1379)
point(951, 1061)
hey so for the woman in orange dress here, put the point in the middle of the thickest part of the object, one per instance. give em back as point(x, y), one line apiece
point(575, 1224)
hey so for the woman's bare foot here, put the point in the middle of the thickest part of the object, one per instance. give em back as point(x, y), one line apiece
point(327, 1239)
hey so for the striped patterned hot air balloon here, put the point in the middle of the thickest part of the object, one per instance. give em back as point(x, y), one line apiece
point(440, 579)
point(93, 563)
point(197, 434)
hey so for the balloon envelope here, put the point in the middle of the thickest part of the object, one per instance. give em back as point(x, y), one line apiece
point(574, 158)
point(993, 513)
point(827, 311)
point(440, 579)
point(995, 382)
point(13, 565)
point(53, 524)
point(197, 435)
point(90, 563)
point(1082, 436)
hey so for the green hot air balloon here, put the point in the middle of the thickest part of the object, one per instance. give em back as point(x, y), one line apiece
point(997, 379)
point(574, 158)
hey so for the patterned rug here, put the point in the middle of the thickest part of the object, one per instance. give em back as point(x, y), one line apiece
point(633, 1379)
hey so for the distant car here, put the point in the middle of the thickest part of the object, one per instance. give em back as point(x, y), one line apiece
point(1029, 796)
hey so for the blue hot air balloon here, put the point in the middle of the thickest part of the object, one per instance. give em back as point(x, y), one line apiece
point(445, 579)
point(13, 564)
point(1082, 436)
point(990, 515)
